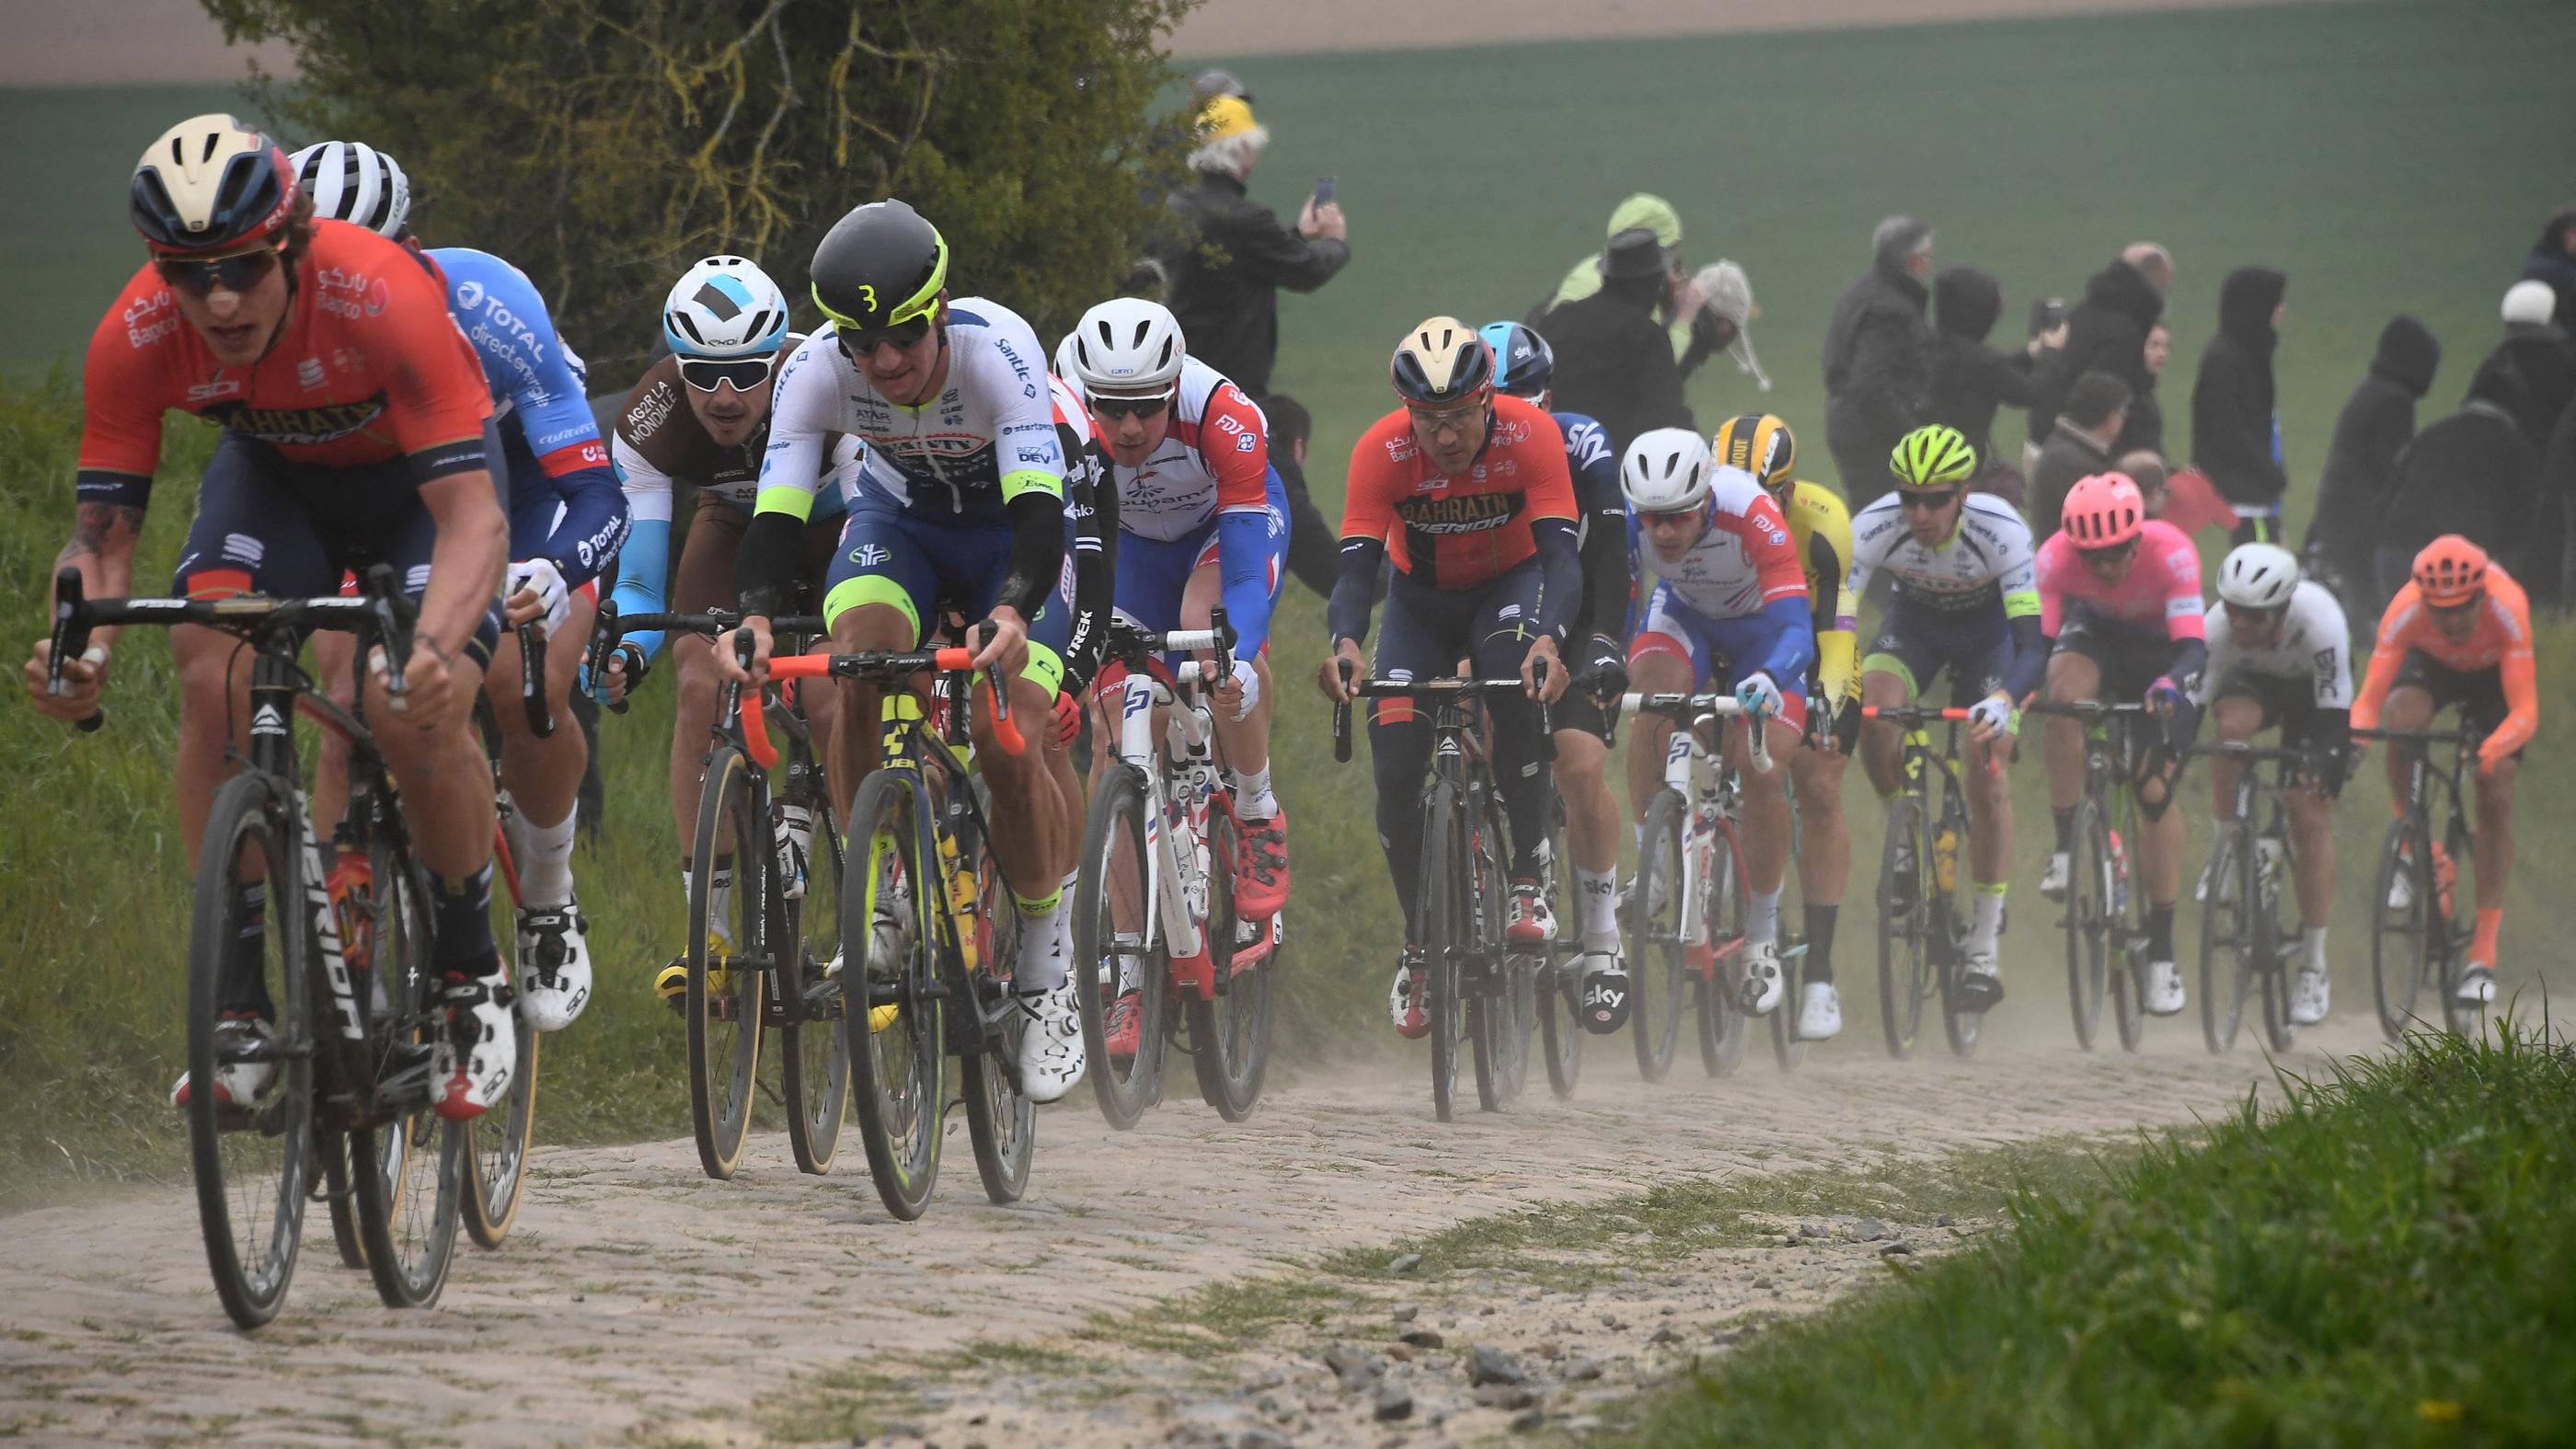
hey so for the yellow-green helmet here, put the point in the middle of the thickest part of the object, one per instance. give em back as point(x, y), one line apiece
point(1932, 457)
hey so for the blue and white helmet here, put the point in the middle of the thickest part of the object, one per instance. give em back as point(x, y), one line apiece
point(725, 306)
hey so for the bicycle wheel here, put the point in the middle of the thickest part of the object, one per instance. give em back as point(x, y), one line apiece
point(1557, 977)
point(332, 1148)
point(2091, 920)
point(2464, 1018)
point(1723, 1026)
point(725, 999)
point(1119, 950)
point(2401, 938)
point(1001, 1121)
point(2228, 948)
point(408, 1173)
point(1444, 919)
point(1482, 975)
point(898, 1056)
point(1230, 1032)
point(1659, 971)
point(813, 1051)
point(496, 1143)
point(2272, 944)
point(1903, 936)
point(253, 1159)
point(1520, 1024)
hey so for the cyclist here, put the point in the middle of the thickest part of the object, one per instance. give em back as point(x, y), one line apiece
point(1729, 605)
point(959, 500)
point(1468, 494)
point(699, 418)
point(2119, 599)
point(1962, 599)
point(1525, 366)
point(2459, 633)
point(567, 519)
point(1202, 520)
point(354, 432)
point(2280, 654)
point(1820, 532)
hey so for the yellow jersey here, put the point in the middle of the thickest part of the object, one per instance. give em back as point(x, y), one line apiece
point(1820, 527)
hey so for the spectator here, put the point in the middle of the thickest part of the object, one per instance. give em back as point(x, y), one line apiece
point(1214, 83)
point(2235, 433)
point(1971, 380)
point(2146, 430)
point(2538, 349)
point(1695, 330)
point(1313, 545)
point(1232, 256)
point(2147, 470)
point(2553, 260)
point(2079, 446)
point(1726, 318)
point(2376, 424)
point(2470, 474)
point(1878, 358)
point(2107, 332)
point(2183, 499)
point(1613, 362)
point(2558, 491)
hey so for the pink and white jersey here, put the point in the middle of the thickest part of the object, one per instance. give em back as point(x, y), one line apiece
point(2163, 586)
point(1743, 559)
point(1215, 459)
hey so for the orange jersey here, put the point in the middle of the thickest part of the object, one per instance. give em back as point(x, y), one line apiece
point(2500, 640)
point(366, 367)
point(1458, 533)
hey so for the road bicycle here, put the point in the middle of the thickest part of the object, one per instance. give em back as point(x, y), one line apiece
point(2106, 914)
point(352, 1002)
point(2419, 936)
point(1155, 941)
point(1922, 923)
point(2244, 947)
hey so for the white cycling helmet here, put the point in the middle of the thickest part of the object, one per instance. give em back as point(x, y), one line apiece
point(1064, 364)
point(1127, 347)
point(725, 306)
point(2258, 576)
point(1666, 470)
point(352, 181)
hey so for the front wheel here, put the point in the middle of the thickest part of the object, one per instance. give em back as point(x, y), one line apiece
point(1659, 971)
point(1121, 961)
point(1484, 975)
point(2093, 919)
point(814, 1053)
point(408, 1173)
point(1723, 1026)
point(496, 1143)
point(2464, 1018)
point(892, 1010)
point(1557, 977)
point(1445, 908)
point(727, 984)
point(1904, 937)
point(2227, 919)
point(2401, 936)
point(1001, 1121)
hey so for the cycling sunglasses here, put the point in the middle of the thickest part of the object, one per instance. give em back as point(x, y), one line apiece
point(2248, 617)
point(707, 374)
point(1461, 421)
point(234, 272)
point(1130, 407)
point(1917, 500)
point(858, 344)
point(2116, 553)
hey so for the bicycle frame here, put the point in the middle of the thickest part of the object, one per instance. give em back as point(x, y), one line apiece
point(1178, 882)
point(1697, 773)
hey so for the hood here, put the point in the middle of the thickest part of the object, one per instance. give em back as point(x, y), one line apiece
point(1965, 302)
point(2553, 232)
point(2498, 383)
point(1651, 212)
point(2245, 303)
point(2124, 289)
point(2408, 355)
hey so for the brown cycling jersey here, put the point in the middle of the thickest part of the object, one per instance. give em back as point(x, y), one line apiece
point(659, 441)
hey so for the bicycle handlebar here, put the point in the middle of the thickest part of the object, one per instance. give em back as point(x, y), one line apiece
point(610, 627)
point(1721, 705)
point(2466, 738)
point(882, 667)
point(1444, 688)
point(1914, 714)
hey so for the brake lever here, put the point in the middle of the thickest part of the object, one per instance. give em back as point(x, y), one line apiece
point(70, 641)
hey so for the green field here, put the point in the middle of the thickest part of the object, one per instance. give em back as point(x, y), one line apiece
point(2388, 157)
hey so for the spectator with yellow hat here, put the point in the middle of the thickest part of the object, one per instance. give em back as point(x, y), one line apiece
point(1229, 260)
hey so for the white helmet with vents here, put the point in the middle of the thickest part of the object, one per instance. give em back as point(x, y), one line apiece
point(354, 182)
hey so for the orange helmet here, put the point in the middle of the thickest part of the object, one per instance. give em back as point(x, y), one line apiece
point(2104, 511)
point(2450, 571)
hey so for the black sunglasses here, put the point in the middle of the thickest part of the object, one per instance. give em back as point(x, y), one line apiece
point(198, 276)
point(1130, 407)
point(2116, 553)
point(855, 345)
point(1927, 502)
point(706, 374)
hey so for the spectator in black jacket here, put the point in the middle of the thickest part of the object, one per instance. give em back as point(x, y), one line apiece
point(1231, 256)
point(2079, 446)
point(2376, 424)
point(1614, 362)
point(2145, 432)
point(1313, 545)
point(1878, 359)
point(2558, 491)
point(2107, 332)
point(2538, 348)
point(2235, 435)
point(1971, 380)
point(2553, 260)
point(2470, 474)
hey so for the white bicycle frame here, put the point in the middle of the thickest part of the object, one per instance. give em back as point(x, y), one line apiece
point(1690, 771)
point(1177, 881)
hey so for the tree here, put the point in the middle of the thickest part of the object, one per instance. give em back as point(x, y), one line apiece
point(603, 145)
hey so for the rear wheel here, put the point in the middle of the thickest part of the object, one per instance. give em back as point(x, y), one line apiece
point(496, 1143)
point(727, 978)
point(2229, 952)
point(1659, 973)
point(1230, 1033)
point(2092, 920)
point(1723, 1026)
point(814, 1053)
point(1001, 1121)
point(408, 1174)
point(2401, 939)
point(1903, 931)
point(1557, 978)
point(892, 1017)
point(1119, 952)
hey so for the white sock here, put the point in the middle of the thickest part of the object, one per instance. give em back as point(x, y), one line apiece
point(2313, 941)
point(545, 862)
point(1252, 794)
point(1600, 892)
point(719, 898)
point(1989, 923)
point(1046, 943)
point(1638, 831)
point(1762, 921)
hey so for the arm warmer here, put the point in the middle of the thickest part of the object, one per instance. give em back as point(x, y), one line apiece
point(595, 521)
point(1037, 550)
point(1095, 574)
point(641, 568)
point(1560, 566)
point(1243, 561)
point(1793, 642)
point(1347, 616)
point(764, 563)
point(2030, 658)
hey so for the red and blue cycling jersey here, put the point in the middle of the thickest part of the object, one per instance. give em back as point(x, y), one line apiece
point(1737, 593)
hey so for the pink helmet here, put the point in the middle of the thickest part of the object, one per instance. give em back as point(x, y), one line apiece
point(2104, 511)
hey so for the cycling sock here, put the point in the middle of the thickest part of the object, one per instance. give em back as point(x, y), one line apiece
point(1762, 914)
point(719, 896)
point(545, 866)
point(1820, 941)
point(461, 915)
point(2064, 820)
point(1989, 922)
point(1252, 797)
point(2312, 943)
point(2160, 931)
point(2482, 946)
point(247, 986)
point(1600, 892)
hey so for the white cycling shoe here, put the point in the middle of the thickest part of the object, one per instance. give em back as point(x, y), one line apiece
point(474, 1075)
point(1763, 983)
point(2052, 882)
point(554, 967)
point(2477, 986)
point(2308, 996)
point(1052, 1056)
point(2163, 988)
point(1981, 982)
point(237, 1083)
point(1820, 1012)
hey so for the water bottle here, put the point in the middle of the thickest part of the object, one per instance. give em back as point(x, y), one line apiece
point(961, 900)
point(1945, 858)
point(2268, 855)
point(2119, 876)
point(795, 836)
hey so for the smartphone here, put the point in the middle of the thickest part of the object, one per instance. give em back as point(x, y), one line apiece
point(2045, 314)
point(1324, 190)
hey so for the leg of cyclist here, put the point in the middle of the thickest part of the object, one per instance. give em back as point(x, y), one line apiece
point(2486, 710)
point(1658, 663)
point(2074, 677)
point(1261, 864)
point(1591, 832)
point(2312, 873)
point(1824, 867)
point(1990, 849)
point(1765, 840)
point(1899, 663)
point(703, 580)
point(2411, 706)
point(1502, 641)
point(2159, 852)
point(543, 776)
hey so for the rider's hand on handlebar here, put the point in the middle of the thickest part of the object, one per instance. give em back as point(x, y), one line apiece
point(82, 678)
point(1550, 687)
point(1240, 691)
point(536, 590)
point(625, 669)
point(2165, 698)
point(1760, 696)
point(1990, 718)
point(729, 664)
point(1329, 678)
point(1009, 646)
point(429, 682)
point(1607, 678)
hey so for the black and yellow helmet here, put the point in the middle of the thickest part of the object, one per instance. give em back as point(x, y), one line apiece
point(1932, 457)
point(880, 266)
point(1760, 444)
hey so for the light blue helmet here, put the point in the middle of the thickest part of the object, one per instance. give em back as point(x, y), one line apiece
point(1524, 363)
point(725, 306)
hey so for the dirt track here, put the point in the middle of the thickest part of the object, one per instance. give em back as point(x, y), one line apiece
point(638, 1299)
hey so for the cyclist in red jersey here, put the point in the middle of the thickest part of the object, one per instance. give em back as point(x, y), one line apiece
point(2459, 633)
point(355, 425)
point(1469, 495)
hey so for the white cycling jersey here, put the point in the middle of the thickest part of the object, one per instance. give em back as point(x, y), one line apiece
point(1740, 563)
point(1987, 560)
point(988, 437)
point(2315, 644)
point(1214, 459)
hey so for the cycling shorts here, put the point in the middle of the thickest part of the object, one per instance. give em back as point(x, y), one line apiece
point(2129, 663)
point(269, 525)
point(1917, 644)
point(2288, 704)
point(922, 565)
point(1153, 573)
point(1428, 630)
point(2479, 693)
point(1721, 651)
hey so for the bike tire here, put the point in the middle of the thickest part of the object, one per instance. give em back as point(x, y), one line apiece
point(1659, 979)
point(1557, 978)
point(2401, 941)
point(2091, 921)
point(897, 1048)
point(813, 1051)
point(251, 1165)
point(1230, 1031)
point(333, 1149)
point(2271, 944)
point(2228, 943)
point(497, 1142)
point(1482, 979)
point(1723, 1027)
point(2463, 1018)
point(1112, 888)
point(1444, 908)
point(1903, 936)
point(408, 1173)
point(726, 1004)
